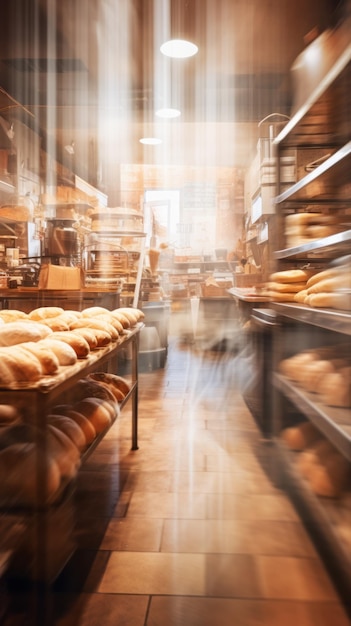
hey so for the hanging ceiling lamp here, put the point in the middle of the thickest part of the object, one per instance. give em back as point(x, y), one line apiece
point(179, 48)
point(179, 45)
point(167, 113)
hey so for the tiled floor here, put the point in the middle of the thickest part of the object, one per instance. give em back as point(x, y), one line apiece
point(189, 530)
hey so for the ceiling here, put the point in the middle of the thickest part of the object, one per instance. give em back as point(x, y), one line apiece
point(90, 72)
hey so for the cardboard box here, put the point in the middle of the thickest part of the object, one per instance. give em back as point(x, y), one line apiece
point(58, 277)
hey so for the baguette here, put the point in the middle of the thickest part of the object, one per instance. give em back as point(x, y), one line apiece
point(333, 283)
point(330, 300)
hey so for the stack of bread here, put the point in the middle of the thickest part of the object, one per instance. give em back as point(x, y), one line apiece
point(303, 228)
point(39, 343)
point(329, 288)
point(325, 469)
point(283, 286)
point(325, 371)
point(70, 430)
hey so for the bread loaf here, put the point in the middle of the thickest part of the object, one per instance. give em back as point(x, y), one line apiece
point(77, 342)
point(45, 312)
point(314, 374)
point(130, 311)
point(117, 384)
point(291, 276)
point(18, 469)
point(336, 390)
point(92, 311)
point(93, 410)
point(63, 451)
point(133, 315)
point(314, 455)
point(87, 322)
point(65, 354)
point(300, 296)
point(330, 479)
point(87, 387)
point(80, 419)
point(47, 358)
point(13, 333)
point(111, 319)
point(286, 287)
point(12, 315)
point(23, 368)
point(332, 300)
point(333, 283)
point(300, 436)
point(56, 323)
point(90, 337)
point(69, 427)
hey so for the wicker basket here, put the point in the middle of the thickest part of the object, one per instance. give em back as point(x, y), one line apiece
point(216, 291)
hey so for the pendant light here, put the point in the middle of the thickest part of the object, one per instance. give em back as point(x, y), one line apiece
point(179, 44)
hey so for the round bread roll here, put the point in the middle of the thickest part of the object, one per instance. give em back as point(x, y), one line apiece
point(90, 337)
point(65, 354)
point(70, 428)
point(62, 449)
point(94, 410)
point(300, 436)
point(47, 358)
point(87, 322)
point(77, 342)
point(45, 312)
point(115, 382)
point(13, 333)
point(18, 485)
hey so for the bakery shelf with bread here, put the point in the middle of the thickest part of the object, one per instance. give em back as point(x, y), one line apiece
point(57, 401)
point(312, 351)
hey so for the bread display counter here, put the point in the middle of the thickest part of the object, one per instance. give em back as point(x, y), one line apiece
point(311, 380)
point(65, 393)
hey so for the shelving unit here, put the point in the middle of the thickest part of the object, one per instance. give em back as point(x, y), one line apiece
point(321, 124)
point(34, 402)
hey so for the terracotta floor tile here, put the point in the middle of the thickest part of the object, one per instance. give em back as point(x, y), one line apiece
point(156, 573)
point(97, 610)
point(294, 578)
point(133, 534)
point(170, 505)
